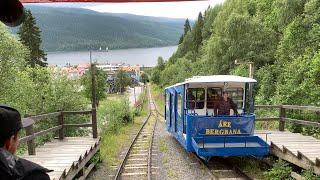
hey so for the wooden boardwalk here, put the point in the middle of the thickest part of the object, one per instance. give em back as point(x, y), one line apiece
point(66, 157)
point(304, 151)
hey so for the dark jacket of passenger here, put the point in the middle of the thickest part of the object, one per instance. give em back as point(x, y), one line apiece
point(15, 168)
point(224, 107)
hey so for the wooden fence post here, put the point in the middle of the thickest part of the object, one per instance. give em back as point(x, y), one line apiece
point(94, 123)
point(282, 115)
point(94, 101)
point(31, 145)
point(61, 122)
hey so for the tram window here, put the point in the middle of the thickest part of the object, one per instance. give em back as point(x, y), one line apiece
point(167, 103)
point(195, 98)
point(167, 100)
point(237, 96)
point(179, 103)
point(213, 97)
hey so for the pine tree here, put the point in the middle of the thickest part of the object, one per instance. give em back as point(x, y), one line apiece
point(197, 33)
point(30, 36)
point(181, 39)
point(187, 27)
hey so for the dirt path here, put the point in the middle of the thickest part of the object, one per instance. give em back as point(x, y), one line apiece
point(173, 160)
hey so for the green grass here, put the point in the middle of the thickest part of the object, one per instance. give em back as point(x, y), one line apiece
point(163, 145)
point(172, 174)
point(113, 143)
point(250, 166)
point(158, 96)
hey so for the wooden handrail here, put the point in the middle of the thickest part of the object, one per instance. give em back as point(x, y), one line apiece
point(78, 125)
point(31, 120)
point(267, 106)
point(44, 116)
point(294, 107)
point(267, 119)
point(303, 122)
point(282, 115)
point(40, 133)
point(77, 112)
point(26, 122)
point(308, 108)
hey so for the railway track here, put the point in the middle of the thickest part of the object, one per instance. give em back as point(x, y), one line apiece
point(137, 163)
point(221, 168)
point(218, 168)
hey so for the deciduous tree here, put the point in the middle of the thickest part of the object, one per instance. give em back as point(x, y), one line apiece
point(101, 84)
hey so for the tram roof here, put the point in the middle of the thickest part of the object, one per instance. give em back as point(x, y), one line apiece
point(216, 79)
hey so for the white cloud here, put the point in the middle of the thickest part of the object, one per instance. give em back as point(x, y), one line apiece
point(185, 9)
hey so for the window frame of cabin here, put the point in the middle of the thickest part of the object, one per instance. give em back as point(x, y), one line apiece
point(167, 109)
point(179, 104)
point(207, 94)
point(237, 99)
point(196, 97)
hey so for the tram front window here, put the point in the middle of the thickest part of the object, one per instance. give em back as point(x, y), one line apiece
point(213, 97)
point(237, 95)
point(195, 98)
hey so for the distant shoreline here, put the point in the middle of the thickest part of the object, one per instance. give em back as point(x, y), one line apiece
point(51, 52)
point(141, 56)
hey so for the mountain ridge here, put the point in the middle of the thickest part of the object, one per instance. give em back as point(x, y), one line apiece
point(76, 29)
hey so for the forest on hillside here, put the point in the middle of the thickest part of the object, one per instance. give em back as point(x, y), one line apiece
point(76, 29)
point(281, 38)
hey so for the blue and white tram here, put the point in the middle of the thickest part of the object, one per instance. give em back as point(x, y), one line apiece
point(192, 116)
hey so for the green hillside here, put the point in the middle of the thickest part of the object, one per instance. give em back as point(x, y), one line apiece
point(281, 38)
point(68, 29)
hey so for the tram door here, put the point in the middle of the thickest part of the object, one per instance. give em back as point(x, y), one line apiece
point(173, 112)
point(176, 118)
point(179, 116)
point(167, 109)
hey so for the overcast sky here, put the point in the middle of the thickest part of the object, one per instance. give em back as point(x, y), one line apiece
point(186, 9)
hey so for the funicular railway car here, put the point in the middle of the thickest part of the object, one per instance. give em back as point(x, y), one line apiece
point(201, 116)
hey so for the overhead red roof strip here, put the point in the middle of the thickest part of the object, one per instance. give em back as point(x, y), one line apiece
point(113, 1)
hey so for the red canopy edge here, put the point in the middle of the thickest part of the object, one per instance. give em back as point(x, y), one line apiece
point(113, 1)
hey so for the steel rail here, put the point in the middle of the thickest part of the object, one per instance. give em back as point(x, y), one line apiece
point(150, 150)
point(202, 163)
point(225, 162)
point(236, 169)
point(120, 169)
point(152, 136)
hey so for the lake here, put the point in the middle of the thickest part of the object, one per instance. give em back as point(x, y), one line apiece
point(141, 56)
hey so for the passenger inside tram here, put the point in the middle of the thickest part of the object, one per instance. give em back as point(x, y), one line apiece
point(225, 105)
point(217, 103)
point(213, 98)
point(195, 98)
point(200, 100)
point(190, 99)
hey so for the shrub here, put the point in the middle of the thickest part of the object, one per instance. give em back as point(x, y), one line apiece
point(309, 174)
point(117, 114)
point(280, 170)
